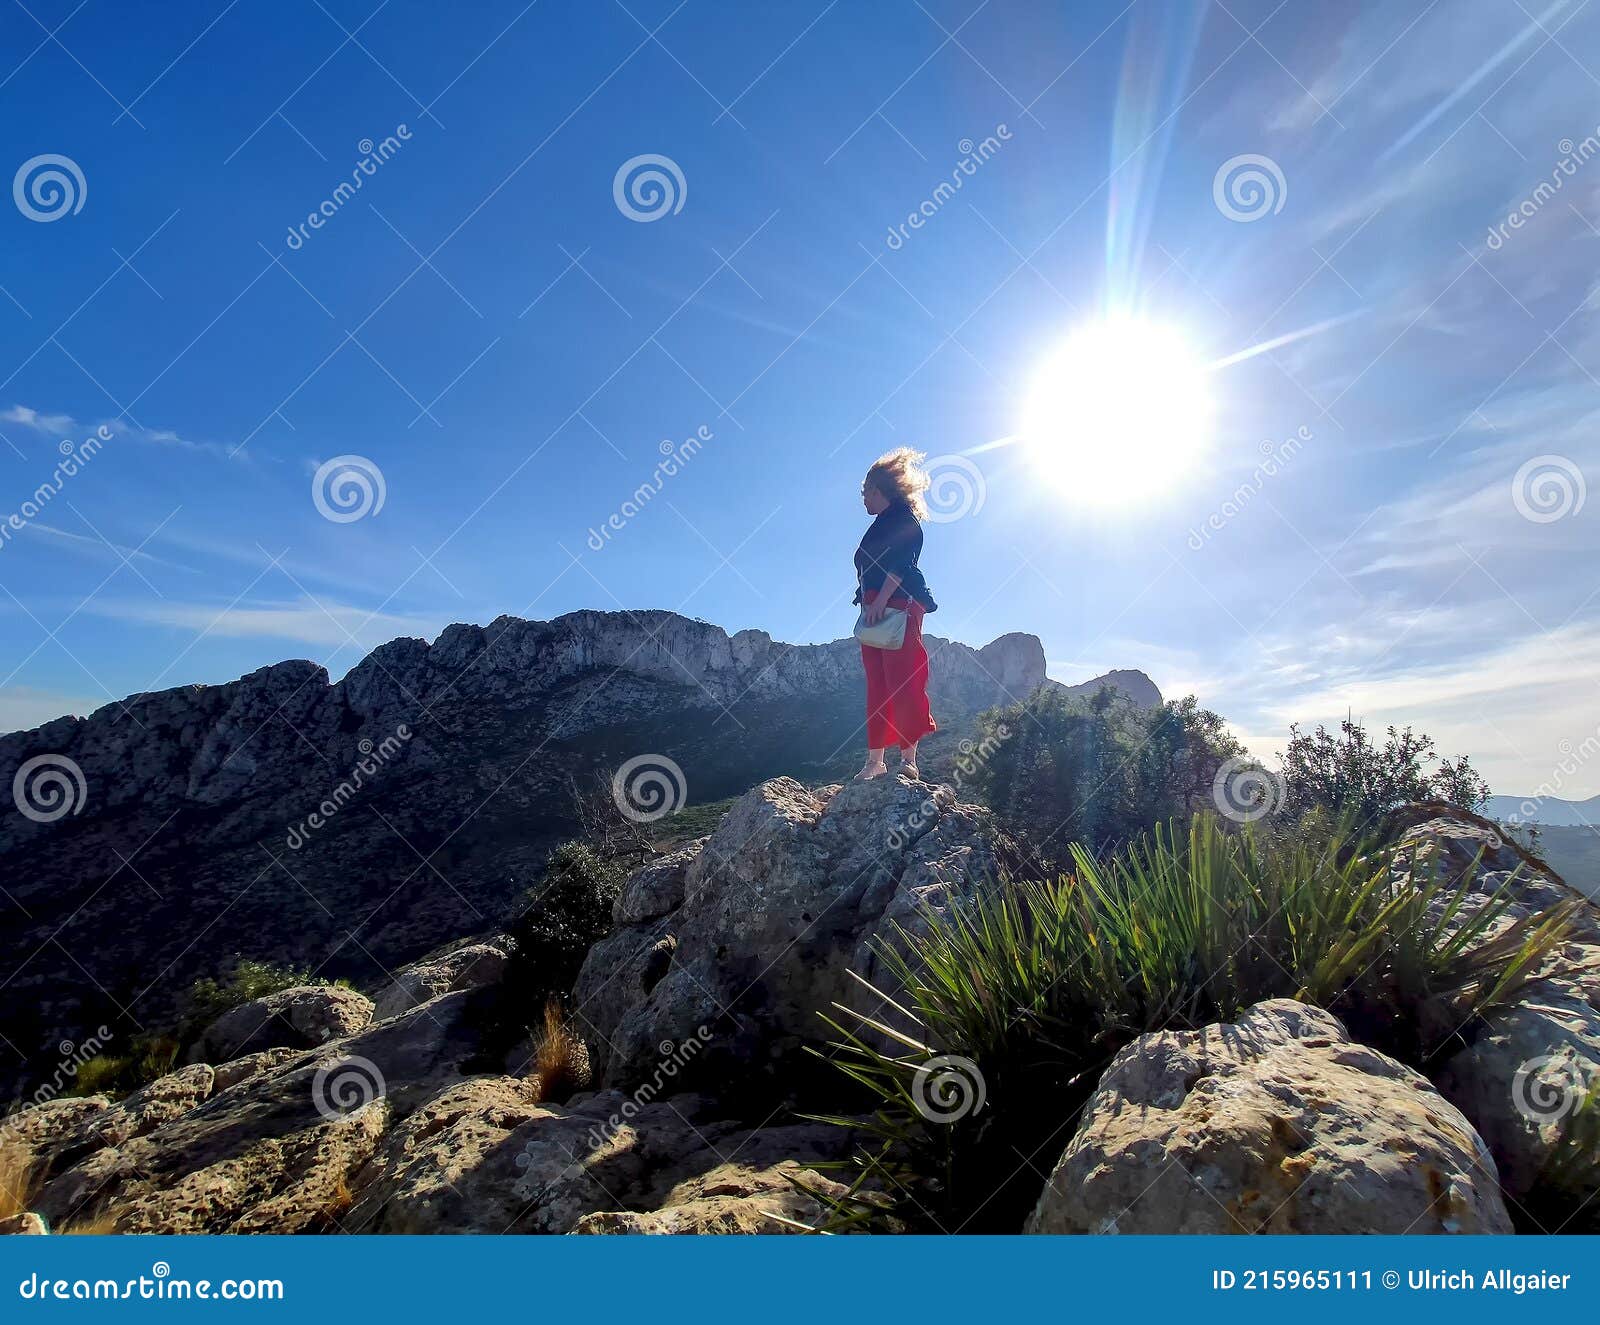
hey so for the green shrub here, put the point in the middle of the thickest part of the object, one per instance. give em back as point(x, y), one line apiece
point(105, 1074)
point(1348, 774)
point(1041, 983)
point(209, 998)
point(557, 921)
point(151, 1057)
point(1098, 770)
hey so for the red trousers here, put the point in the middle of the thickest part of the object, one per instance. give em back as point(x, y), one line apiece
point(897, 685)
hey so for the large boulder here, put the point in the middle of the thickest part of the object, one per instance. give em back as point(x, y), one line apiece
point(31, 1134)
point(484, 1156)
point(466, 967)
point(1528, 1064)
point(297, 1018)
point(1277, 1123)
point(730, 949)
point(274, 1152)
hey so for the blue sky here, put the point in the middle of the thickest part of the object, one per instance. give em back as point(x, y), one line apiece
point(484, 324)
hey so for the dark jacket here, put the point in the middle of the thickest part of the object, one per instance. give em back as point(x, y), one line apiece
point(891, 546)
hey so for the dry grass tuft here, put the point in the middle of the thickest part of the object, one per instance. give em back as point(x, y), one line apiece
point(93, 1226)
point(16, 1180)
point(561, 1061)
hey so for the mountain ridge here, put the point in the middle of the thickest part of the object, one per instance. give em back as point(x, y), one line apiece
point(346, 827)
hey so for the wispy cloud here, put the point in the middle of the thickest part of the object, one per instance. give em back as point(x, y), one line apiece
point(305, 620)
point(64, 425)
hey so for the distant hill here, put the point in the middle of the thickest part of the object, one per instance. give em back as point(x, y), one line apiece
point(1544, 810)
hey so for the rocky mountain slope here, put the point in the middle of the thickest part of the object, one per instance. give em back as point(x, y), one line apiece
point(348, 828)
point(351, 1117)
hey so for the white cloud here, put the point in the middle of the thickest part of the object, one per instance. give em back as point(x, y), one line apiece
point(63, 425)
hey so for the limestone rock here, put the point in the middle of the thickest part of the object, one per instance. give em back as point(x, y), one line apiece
point(146, 1109)
point(225, 1076)
point(26, 1223)
point(291, 1018)
point(466, 967)
point(40, 1128)
point(1277, 1123)
point(781, 904)
point(1529, 1064)
point(277, 1151)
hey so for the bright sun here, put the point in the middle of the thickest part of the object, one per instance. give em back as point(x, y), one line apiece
point(1119, 413)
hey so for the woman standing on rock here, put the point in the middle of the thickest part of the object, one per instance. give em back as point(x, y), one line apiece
point(889, 583)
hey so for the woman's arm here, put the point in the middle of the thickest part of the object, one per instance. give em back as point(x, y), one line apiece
point(876, 607)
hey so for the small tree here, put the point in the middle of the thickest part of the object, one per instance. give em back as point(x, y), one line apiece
point(1348, 773)
point(1100, 770)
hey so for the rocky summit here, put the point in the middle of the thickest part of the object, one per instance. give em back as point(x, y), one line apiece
point(388, 1120)
point(349, 828)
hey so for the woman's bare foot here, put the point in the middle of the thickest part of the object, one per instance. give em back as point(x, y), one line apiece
point(908, 763)
point(873, 768)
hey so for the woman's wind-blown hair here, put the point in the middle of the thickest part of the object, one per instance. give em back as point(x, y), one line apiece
point(899, 475)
